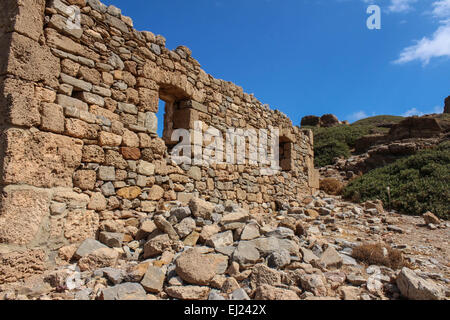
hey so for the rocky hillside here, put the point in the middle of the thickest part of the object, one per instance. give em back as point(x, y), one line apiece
point(407, 155)
point(325, 249)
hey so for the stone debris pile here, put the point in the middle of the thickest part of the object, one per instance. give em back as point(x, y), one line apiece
point(204, 251)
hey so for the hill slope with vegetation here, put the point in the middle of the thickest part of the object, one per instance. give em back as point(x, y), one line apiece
point(418, 183)
point(334, 142)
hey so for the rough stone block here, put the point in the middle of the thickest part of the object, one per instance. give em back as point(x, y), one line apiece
point(24, 57)
point(23, 16)
point(81, 225)
point(40, 159)
point(79, 129)
point(85, 179)
point(21, 214)
point(93, 153)
point(148, 100)
point(17, 103)
point(19, 265)
point(52, 118)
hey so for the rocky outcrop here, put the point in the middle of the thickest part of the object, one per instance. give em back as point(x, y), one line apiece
point(326, 121)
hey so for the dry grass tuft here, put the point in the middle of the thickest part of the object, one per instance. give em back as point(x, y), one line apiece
point(379, 254)
point(331, 186)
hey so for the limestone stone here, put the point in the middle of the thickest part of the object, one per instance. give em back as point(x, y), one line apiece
point(40, 159)
point(246, 253)
point(97, 202)
point(81, 225)
point(28, 17)
point(21, 214)
point(185, 227)
point(415, 288)
point(431, 218)
point(331, 259)
point(130, 139)
point(93, 153)
point(112, 239)
point(52, 118)
point(187, 267)
point(36, 55)
point(87, 246)
point(250, 232)
point(106, 173)
point(156, 246)
point(238, 216)
point(124, 291)
point(129, 193)
point(145, 168)
point(200, 208)
point(85, 179)
point(71, 103)
point(109, 139)
point(221, 239)
point(18, 103)
point(153, 280)
point(80, 129)
point(155, 193)
point(166, 227)
point(100, 258)
point(267, 292)
point(21, 264)
point(188, 292)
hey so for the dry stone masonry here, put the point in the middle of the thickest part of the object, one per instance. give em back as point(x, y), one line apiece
point(79, 149)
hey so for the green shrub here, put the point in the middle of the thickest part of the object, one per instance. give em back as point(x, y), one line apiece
point(324, 154)
point(418, 183)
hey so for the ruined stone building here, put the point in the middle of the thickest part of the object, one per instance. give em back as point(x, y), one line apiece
point(80, 90)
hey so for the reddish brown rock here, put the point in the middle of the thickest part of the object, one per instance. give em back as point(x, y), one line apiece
point(129, 153)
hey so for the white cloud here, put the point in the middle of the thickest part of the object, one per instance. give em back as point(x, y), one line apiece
point(438, 45)
point(413, 112)
point(357, 116)
point(435, 46)
point(441, 8)
point(400, 5)
point(417, 112)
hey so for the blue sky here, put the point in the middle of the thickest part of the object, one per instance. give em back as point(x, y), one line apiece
point(314, 56)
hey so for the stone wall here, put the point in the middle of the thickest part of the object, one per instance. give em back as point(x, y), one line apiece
point(79, 149)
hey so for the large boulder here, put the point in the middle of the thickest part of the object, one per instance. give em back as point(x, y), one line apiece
point(414, 287)
point(312, 121)
point(329, 120)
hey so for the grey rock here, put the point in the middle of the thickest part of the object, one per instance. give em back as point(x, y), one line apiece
point(219, 240)
point(415, 288)
point(279, 259)
point(246, 253)
point(108, 189)
point(281, 233)
point(214, 296)
point(250, 232)
point(88, 246)
point(240, 295)
point(153, 280)
point(106, 173)
point(124, 291)
point(185, 227)
point(308, 255)
point(111, 239)
point(180, 213)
